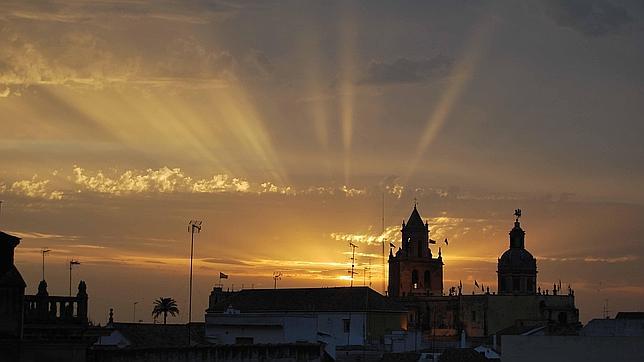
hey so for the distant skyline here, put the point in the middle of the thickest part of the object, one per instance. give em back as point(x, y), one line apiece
point(282, 124)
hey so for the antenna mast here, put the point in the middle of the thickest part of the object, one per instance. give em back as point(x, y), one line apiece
point(194, 225)
point(276, 276)
point(353, 261)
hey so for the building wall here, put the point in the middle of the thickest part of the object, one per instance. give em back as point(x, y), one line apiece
point(485, 314)
point(297, 327)
point(11, 307)
point(285, 327)
point(504, 310)
point(52, 352)
point(401, 272)
point(572, 348)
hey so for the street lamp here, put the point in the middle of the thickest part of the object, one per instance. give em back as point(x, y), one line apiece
point(71, 264)
point(44, 251)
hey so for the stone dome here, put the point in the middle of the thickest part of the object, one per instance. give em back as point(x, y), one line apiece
point(517, 259)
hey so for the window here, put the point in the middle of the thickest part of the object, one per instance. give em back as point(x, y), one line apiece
point(473, 316)
point(516, 284)
point(346, 324)
point(530, 285)
point(502, 286)
point(414, 278)
point(427, 280)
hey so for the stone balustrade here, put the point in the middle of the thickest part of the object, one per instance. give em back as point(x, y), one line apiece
point(43, 308)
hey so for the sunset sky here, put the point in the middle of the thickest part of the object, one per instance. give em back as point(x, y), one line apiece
point(281, 125)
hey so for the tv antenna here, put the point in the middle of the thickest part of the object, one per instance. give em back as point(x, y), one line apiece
point(193, 225)
point(606, 311)
point(366, 270)
point(276, 276)
point(353, 260)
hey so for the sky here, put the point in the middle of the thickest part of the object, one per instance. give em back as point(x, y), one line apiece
point(287, 125)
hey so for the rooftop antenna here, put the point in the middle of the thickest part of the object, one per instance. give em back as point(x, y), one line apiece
point(366, 269)
point(369, 269)
point(353, 260)
point(276, 276)
point(71, 264)
point(134, 311)
point(44, 251)
point(193, 225)
point(606, 311)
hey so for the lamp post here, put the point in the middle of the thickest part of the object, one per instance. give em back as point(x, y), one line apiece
point(134, 311)
point(44, 251)
point(71, 264)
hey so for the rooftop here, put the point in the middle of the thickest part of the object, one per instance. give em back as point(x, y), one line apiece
point(307, 300)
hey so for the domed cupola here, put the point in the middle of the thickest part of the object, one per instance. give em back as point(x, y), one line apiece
point(517, 268)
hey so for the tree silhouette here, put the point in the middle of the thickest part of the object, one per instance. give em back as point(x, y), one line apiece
point(165, 306)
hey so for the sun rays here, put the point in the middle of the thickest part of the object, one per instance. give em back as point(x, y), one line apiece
point(456, 83)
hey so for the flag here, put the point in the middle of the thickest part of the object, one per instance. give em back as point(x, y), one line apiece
point(476, 283)
point(446, 243)
point(391, 245)
point(223, 276)
point(432, 241)
point(74, 262)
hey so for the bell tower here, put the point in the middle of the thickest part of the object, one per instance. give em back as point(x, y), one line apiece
point(412, 269)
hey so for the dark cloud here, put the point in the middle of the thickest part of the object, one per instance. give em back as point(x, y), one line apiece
point(63, 11)
point(593, 18)
point(404, 70)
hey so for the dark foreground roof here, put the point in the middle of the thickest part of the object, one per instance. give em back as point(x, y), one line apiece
point(401, 357)
point(630, 315)
point(461, 355)
point(146, 335)
point(308, 300)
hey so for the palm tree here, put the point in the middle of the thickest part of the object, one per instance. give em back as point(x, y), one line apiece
point(165, 306)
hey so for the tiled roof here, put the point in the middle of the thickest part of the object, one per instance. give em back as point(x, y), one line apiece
point(307, 300)
point(630, 315)
point(146, 335)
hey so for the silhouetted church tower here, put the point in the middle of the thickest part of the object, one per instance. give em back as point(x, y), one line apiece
point(413, 271)
point(517, 269)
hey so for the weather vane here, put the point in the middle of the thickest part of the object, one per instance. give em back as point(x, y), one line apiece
point(517, 213)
